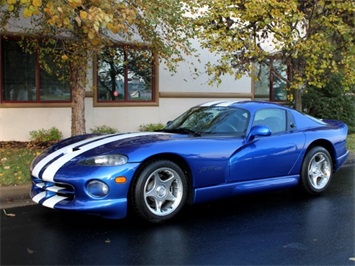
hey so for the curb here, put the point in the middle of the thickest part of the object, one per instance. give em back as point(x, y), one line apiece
point(15, 196)
point(18, 196)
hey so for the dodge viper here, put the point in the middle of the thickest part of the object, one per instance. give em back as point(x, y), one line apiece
point(214, 150)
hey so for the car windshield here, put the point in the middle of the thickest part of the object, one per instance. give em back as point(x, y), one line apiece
point(210, 120)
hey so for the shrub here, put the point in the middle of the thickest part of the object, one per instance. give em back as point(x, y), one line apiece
point(103, 130)
point(151, 127)
point(331, 102)
point(43, 135)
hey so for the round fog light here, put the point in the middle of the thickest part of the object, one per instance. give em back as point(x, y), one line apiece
point(97, 188)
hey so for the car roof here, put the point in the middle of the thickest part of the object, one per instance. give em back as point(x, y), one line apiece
point(250, 105)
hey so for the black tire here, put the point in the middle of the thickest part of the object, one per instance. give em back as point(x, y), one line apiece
point(159, 191)
point(317, 169)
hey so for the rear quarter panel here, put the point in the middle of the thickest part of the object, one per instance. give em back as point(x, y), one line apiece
point(333, 139)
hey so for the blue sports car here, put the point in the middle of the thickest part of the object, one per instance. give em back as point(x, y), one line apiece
point(214, 150)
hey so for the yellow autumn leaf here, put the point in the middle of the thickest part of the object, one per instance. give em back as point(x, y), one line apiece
point(11, 2)
point(113, 28)
point(91, 35)
point(107, 18)
point(83, 14)
point(27, 13)
point(10, 8)
point(95, 41)
point(35, 11)
point(52, 23)
point(66, 21)
point(37, 3)
point(75, 3)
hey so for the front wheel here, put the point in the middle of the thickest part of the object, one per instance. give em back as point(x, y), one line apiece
point(316, 171)
point(160, 191)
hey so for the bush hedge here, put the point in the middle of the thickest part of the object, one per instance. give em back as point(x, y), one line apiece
point(331, 102)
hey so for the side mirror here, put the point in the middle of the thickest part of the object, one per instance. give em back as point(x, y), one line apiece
point(255, 131)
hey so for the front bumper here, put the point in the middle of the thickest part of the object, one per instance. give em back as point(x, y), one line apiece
point(55, 198)
point(68, 190)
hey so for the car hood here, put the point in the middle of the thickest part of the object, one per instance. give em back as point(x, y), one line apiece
point(138, 146)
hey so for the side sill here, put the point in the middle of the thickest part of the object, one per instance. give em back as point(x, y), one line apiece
point(238, 188)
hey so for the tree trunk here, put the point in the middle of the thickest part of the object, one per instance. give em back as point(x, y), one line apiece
point(295, 66)
point(298, 99)
point(78, 84)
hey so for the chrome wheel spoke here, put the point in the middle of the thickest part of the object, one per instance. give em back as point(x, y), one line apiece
point(319, 171)
point(170, 196)
point(158, 205)
point(163, 191)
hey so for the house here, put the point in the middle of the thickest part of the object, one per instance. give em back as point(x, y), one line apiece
point(141, 91)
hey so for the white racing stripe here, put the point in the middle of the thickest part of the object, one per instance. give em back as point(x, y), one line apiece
point(211, 103)
point(51, 170)
point(48, 202)
point(227, 103)
point(219, 103)
point(39, 196)
point(53, 201)
point(40, 185)
point(54, 188)
point(51, 156)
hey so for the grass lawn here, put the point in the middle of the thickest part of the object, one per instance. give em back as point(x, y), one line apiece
point(15, 160)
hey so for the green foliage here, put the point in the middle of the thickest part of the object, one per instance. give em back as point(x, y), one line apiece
point(312, 38)
point(103, 130)
point(43, 135)
point(350, 142)
point(331, 102)
point(151, 127)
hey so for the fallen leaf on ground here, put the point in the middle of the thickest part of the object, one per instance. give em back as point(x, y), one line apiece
point(30, 251)
point(9, 214)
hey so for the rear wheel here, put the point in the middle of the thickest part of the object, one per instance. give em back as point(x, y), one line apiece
point(316, 171)
point(160, 191)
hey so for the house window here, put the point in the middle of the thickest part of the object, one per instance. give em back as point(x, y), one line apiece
point(24, 79)
point(269, 85)
point(125, 74)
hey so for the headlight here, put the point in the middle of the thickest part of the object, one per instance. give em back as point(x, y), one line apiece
point(105, 160)
point(97, 188)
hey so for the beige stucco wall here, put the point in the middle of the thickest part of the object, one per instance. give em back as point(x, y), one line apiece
point(16, 123)
point(177, 92)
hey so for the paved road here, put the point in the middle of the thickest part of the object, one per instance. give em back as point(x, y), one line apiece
point(280, 228)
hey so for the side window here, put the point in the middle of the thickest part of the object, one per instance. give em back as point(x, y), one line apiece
point(275, 119)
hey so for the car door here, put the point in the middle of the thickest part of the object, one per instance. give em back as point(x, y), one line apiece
point(269, 156)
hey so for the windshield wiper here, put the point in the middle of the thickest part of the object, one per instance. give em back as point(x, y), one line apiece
point(182, 130)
